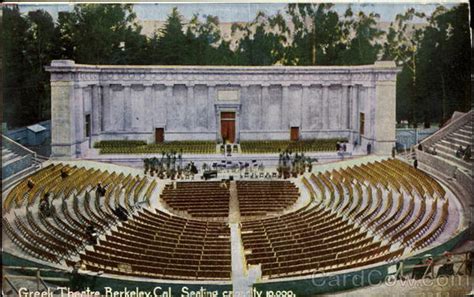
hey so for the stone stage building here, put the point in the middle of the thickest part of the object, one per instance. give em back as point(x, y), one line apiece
point(232, 103)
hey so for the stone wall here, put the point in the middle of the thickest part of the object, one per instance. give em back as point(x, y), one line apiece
point(460, 182)
point(130, 102)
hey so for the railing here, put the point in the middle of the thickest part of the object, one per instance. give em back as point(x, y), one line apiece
point(9, 287)
point(26, 159)
point(428, 265)
point(453, 126)
point(16, 147)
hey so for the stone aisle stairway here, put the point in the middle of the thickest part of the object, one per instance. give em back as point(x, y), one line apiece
point(242, 281)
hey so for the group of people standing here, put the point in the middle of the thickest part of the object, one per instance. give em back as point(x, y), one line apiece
point(170, 165)
point(292, 165)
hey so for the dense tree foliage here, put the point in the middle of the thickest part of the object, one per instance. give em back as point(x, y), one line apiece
point(433, 57)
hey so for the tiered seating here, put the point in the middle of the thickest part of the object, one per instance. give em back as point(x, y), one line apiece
point(357, 216)
point(75, 207)
point(389, 198)
point(313, 239)
point(198, 199)
point(159, 245)
point(259, 198)
point(140, 147)
point(17, 195)
point(275, 146)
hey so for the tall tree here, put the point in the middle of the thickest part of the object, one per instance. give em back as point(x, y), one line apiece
point(364, 46)
point(261, 41)
point(29, 45)
point(101, 34)
point(14, 43)
point(204, 38)
point(316, 34)
point(403, 40)
point(172, 42)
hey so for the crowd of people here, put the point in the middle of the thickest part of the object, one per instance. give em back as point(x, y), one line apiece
point(170, 166)
point(293, 164)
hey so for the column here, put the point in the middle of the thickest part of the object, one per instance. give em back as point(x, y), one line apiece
point(79, 113)
point(211, 95)
point(106, 102)
point(237, 126)
point(345, 106)
point(300, 122)
point(127, 111)
point(325, 108)
point(284, 108)
point(190, 117)
point(218, 125)
point(96, 110)
point(149, 106)
point(168, 102)
point(262, 118)
point(355, 108)
point(371, 110)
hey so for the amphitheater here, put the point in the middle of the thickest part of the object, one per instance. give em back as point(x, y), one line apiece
point(243, 233)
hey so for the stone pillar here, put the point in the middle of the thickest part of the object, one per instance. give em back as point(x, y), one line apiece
point(385, 108)
point(237, 126)
point(149, 106)
point(284, 108)
point(355, 108)
point(211, 97)
point(168, 102)
point(190, 109)
point(79, 116)
point(263, 116)
point(325, 108)
point(218, 125)
point(106, 102)
point(63, 132)
point(127, 112)
point(304, 98)
point(345, 107)
point(96, 110)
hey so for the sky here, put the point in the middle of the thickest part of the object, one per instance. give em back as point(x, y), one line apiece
point(240, 12)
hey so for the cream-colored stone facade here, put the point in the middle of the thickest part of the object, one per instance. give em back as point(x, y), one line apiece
point(130, 102)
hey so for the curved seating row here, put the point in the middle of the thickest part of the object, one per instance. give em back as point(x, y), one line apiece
point(74, 207)
point(259, 198)
point(389, 199)
point(198, 199)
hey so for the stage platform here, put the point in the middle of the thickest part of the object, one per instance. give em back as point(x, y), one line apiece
point(268, 160)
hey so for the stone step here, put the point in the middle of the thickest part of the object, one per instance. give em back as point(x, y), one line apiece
point(464, 132)
point(8, 157)
point(452, 157)
point(460, 136)
point(11, 160)
point(450, 148)
point(457, 141)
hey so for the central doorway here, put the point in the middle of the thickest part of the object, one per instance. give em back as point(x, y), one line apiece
point(228, 127)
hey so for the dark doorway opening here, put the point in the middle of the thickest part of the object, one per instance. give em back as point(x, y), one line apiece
point(228, 127)
point(295, 133)
point(159, 135)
